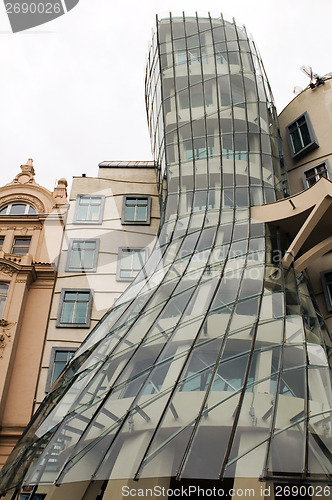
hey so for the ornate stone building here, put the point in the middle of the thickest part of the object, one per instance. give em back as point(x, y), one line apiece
point(31, 227)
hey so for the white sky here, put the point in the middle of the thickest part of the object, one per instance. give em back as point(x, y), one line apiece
point(72, 90)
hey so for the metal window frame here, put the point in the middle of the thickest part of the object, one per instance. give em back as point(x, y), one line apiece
point(118, 267)
point(59, 324)
point(327, 294)
point(101, 213)
point(93, 269)
point(54, 350)
point(148, 211)
point(309, 147)
point(328, 171)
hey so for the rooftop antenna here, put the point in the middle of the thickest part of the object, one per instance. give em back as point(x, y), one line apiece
point(315, 79)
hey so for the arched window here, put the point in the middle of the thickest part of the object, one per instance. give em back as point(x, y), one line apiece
point(16, 208)
point(3, 295)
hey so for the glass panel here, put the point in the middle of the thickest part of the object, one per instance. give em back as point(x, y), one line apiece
point(67, 312)
point(17, 209)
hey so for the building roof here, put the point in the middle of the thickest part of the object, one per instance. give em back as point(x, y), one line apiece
point(127, 164)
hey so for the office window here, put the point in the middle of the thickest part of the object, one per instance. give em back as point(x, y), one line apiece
point(136, 210)
point(21, 245)
point(301, 137)
point(3, 296)
point(201, 150)
point(89, 209)
point(75, 308)
point(326, 278)
point(312, 175)
point(60, 356)
point(18, 209)
point(82, 255)
point(131, 261)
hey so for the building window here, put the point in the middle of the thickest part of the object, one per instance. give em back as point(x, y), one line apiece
point(82, 255)
point(3, 296)
point(312, 175)
point(201, 150)
point(21, 245)
point(89, 209)
point(301, 137)
point(60, 356)
point(136, 210)
point(75, 308)
point(326, 278)
point(2, 239)
point(18, 209)
point(131, 261)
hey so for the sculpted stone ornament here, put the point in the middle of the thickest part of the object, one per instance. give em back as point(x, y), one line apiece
point(5, 328)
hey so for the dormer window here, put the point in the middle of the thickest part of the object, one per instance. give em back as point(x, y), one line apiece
point(18, 209)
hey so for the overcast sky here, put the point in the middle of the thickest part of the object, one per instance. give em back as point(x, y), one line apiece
point(72, 90)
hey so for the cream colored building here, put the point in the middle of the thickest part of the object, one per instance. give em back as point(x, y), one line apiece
point(306, 130)
point(111, 227)
point(31, 228)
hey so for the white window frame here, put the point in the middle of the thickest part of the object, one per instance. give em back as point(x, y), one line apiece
point(77, 207)
point(82, 269)
point(120, 255)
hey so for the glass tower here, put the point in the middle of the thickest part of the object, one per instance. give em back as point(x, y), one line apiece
point(214, 363)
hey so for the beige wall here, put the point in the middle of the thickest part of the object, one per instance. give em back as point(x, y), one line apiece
point(113, 182)
point(317, 103)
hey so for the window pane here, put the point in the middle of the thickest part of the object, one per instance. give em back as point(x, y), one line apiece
point(3, 295)
point(141, 213)
point(82, 212)
point(94, 212)
point(67, 312)
point(81, 311)
point(130, 213)
point(17, 209)
point(75, 257)
point(83, 296)
point(296, 140)
point(88, 259)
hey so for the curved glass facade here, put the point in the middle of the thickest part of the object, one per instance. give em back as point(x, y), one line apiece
point(214, 362)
